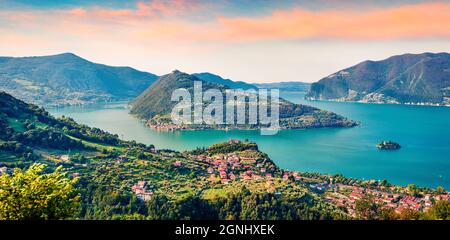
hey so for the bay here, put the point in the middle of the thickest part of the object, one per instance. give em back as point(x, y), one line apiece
point(423, 132)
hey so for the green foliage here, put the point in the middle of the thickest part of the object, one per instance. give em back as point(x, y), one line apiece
point(98, 202)
point(367, 209)
point(266, 206)
point(440, 190)
point(47, 138)
point(385, 183)
point(413, 189)
point(226, 147)
point(31, 195)
point(78, 158)
point(409, 214)
point(138, 153)
point(18, 149)
point(191, 208)
point(440, 211)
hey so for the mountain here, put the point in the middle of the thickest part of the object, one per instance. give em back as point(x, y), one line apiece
point(409, 78)
point(66, 79)
point(155, 105)
point(286, 86)
point(212, 78)
point(156, 99)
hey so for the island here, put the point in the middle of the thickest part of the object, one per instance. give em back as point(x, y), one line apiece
point(155, 105)
point(388, 145)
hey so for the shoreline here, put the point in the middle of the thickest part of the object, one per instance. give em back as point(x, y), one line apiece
point(379, 103)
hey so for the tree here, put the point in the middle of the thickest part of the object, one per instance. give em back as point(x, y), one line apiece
point(410, 214)
point(31, 195)
point(440, 211)
point(387, 214)
point(413, 189)
point(367, 209)
point(440, 190)
point(384, 183)
point(78, 158)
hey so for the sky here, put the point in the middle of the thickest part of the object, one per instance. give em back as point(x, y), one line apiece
point(246, 40)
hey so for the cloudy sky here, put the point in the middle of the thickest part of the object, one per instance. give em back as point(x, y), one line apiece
point(248, 40)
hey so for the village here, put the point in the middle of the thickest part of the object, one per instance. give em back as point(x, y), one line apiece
point(224, 168)
point(342, 195)
point(141, 192)
point(164, 126)
point(232, 167)
point(347, 195)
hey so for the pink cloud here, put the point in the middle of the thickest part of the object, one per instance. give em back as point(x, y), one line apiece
point(426, 20)
point(169, 22)
point(142, 12)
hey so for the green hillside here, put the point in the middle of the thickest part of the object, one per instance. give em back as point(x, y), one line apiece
point(67, 79)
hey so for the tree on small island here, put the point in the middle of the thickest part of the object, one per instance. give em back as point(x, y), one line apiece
point(388, 145)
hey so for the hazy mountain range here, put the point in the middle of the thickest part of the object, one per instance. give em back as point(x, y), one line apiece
point(409, 78)
point(286, 86)
point(282, 86)
point(67, 79)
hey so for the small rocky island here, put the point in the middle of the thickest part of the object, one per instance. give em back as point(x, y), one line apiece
point(388, 145)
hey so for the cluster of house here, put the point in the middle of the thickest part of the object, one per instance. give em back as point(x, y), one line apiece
point(165, 126)
point(389, 199)
point(346, 195)
point(121, 159)
point(3, 170)
point(232, 167)
point(177, 164)
point(295, 175)
point(75, 175)
point(141, 192)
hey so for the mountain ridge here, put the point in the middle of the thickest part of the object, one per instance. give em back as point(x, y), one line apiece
point(213, 78)
point(286, 86)
point(67, 79)
point(408, 78)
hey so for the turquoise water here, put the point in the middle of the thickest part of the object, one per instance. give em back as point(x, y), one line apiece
point(423, 132)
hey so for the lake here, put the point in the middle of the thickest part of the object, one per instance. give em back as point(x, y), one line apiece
point(423, 132)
